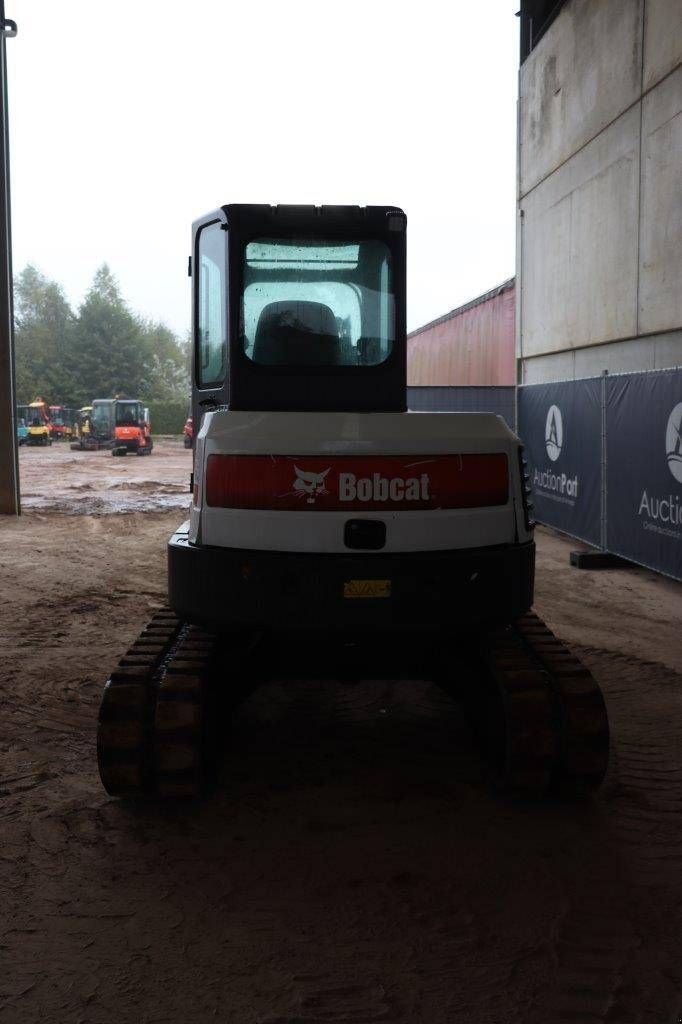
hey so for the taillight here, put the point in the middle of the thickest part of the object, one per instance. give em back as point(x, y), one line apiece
point(526, 491)
point(340, 483)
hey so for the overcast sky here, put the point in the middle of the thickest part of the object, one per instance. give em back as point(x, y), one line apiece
point(129, 118)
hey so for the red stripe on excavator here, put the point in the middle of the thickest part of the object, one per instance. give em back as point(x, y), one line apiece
point(353, 483)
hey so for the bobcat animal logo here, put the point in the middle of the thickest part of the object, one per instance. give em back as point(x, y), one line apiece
point(673, 442)
point(554, 432)
point(310, 485)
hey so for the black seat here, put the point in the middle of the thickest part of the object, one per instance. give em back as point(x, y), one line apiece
point(296, 334)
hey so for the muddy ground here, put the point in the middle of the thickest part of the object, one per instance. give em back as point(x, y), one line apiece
point(351, 866)
point(59, 479)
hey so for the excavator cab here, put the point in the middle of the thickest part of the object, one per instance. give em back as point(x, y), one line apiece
point(307, 460)
point(299, 308)
point(102, 422)
point(38, 423)
point(82, 429)
point(132, 431)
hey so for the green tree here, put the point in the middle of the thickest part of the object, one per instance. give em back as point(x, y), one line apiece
point(166, 376)
point(44, 332)
point(109, 341)
point(105, 350)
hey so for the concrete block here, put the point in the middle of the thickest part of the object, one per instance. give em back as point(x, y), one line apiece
point(578, 280)
point(660, 272)
point(584, 72)
point(662, 39)
point(597, 560)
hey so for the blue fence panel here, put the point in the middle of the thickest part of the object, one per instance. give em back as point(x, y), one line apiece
point(644, 469)
point(560, 425)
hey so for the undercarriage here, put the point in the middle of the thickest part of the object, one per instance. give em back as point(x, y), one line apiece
point(537, 713)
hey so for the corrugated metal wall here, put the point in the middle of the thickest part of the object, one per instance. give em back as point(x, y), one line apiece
point(473, 345)
point(500, 400)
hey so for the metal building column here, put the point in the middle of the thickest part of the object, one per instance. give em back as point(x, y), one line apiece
point(9, 461)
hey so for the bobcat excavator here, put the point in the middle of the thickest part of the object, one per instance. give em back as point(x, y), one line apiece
point(326, 516)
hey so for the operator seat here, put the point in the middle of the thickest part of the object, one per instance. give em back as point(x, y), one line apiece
point(296, 334)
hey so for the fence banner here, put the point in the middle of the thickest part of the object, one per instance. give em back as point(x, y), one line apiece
point(560, 425)
point(644, 468)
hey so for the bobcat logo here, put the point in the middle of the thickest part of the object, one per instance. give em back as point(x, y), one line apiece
point(310, 484)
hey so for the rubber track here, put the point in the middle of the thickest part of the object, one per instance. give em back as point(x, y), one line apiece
point(553, 732)
point(180, 719)
point(127, 710)
point(545, 722)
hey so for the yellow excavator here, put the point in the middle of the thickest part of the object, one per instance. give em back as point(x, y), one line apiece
point(39, 423)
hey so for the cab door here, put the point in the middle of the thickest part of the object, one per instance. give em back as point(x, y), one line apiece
point(210, 317)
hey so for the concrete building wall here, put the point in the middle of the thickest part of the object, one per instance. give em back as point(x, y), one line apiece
point(599, 245)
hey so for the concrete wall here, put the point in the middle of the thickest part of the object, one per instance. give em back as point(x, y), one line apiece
point(599, 244)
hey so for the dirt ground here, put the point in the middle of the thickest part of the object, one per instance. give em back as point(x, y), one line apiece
point(82, 483)
point(351, 866)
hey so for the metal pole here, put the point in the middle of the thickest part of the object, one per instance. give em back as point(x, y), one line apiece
point(9, 460)
point(604, 457)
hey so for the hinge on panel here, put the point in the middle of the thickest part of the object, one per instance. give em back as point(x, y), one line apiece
point(189, 266)
point(9, 28)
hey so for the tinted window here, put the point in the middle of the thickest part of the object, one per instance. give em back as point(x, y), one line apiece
point(211, 306)
point(310, 302)
point(127, 414)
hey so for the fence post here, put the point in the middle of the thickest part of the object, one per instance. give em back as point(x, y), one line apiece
point(604, 491)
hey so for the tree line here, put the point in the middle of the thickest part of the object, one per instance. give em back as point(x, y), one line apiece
point(101, 350)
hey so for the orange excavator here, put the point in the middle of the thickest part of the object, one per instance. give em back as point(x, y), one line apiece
point(128, 425)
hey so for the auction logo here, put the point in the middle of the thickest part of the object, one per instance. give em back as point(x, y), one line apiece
point(663, 513)
point(673, 442)
point(554, 432)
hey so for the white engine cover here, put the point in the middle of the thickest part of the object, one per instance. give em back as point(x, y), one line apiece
point(301, 434)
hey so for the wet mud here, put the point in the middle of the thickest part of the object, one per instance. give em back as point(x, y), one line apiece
point(57, 479)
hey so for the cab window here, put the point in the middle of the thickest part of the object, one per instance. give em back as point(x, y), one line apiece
point(315, 302)
point(211, 306)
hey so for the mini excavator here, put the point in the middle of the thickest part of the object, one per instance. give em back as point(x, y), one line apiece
point(322, 508)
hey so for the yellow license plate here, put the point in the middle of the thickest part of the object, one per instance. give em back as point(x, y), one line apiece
point(367, 588)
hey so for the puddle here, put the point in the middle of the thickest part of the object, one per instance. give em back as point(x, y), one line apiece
point(88, 505)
